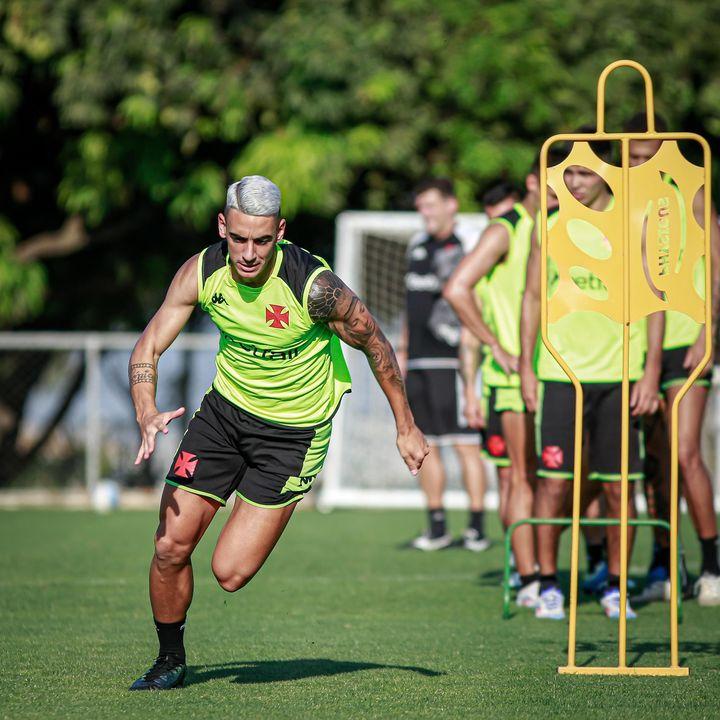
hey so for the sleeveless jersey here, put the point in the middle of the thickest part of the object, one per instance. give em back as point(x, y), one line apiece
point(590, 343)
point(681, 330)
point(501, 293)
point(273, 361)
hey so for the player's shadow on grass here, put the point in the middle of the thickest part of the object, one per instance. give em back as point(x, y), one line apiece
point(265, 671)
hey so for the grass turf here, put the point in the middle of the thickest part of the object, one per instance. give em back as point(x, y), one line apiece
point(340, 623)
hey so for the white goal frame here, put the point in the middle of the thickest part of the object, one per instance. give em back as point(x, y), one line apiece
point(350, 229)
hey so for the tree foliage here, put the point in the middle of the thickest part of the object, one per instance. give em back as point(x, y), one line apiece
point(135, 114)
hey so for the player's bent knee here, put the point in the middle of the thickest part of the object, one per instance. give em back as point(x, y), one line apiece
point(171, 552)
point(232, 580)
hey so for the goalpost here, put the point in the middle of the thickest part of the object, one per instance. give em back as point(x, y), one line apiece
point(363, 467)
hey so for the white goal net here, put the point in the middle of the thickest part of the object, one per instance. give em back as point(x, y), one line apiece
point(363, 467)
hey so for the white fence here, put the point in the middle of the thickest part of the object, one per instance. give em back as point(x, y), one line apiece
point(97, 436)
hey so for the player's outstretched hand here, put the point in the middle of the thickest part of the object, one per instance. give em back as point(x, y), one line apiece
point(508, 362)
point(150, 426)
point(645, 398)
point(528, 388)
point(413, 448)
point(694, 356)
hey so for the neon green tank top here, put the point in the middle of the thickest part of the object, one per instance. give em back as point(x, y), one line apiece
point(501, 293)
point(273, 361)
point(590, 343)
point(681, 330)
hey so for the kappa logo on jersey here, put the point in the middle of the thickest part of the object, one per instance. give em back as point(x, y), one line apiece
point(185, 464)
point(218, 299)
point(496, 445)
point(552, 457)
point(278, 316)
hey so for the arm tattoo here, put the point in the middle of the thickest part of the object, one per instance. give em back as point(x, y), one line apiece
point(142, 373)
point(331, 301)
point(325, 293)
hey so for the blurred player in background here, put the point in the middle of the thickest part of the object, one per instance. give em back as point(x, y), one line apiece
point(263, 429)
point(499, 198)
point(592, 346)
point(496, 269)
point(682, 350)
point(429, 355)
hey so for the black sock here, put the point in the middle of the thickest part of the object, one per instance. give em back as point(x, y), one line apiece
point(170, 636)
point(527, 579)
point(548, 581)
point(595, 554)
point(437, 522)
point(709, 555)
point(613, 581)
point(477, 521)
point(661, 557)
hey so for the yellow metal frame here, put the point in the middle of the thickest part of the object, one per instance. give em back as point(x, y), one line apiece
point(636, 288)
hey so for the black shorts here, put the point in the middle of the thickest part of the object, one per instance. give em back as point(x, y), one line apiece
point(673, 372)
point(226, 450)
point(496, 401)
point(602, 410)
point(436, 400)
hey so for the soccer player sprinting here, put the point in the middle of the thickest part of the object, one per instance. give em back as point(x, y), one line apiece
point(591, 344)
point(429, 352)
point(263, 429)
point(682, 350)
point(496, 267)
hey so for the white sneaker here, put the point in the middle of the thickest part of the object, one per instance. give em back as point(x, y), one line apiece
point(515, 581)
point(472, 540)
point(707, 589)
point(550, 604)
point(528, 596)
point(610, 603)
point(427, 543)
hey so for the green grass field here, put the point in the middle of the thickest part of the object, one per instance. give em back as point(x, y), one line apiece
point(341, 623)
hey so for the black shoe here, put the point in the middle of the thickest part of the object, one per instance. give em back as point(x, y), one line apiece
point(167, 672)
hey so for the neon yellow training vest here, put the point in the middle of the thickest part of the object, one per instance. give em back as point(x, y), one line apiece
point(501, 293)
point(273, 361)
point(590, 343)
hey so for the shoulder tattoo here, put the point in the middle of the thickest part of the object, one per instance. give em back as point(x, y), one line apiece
point(326, 292)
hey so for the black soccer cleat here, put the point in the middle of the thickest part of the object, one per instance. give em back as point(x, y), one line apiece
point(167, 672)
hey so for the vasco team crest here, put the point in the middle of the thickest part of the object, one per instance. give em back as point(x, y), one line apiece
point(278, 316)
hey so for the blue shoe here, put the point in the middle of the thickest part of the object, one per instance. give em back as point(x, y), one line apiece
point(595, 581)
point(166, 673)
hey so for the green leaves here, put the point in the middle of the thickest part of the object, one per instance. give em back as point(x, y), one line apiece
point(22, 285)
point(161, 104)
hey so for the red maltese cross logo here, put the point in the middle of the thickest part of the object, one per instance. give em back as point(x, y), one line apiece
point(278, 316)
point(185, 464)
point(552, 457)
point(496, 445)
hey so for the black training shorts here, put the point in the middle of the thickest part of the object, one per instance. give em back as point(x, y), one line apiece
point(226, 450)
point(673, 372)
point(436, 399)
point(602, 410)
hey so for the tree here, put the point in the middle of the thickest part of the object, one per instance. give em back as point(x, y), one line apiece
point(123, 121)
